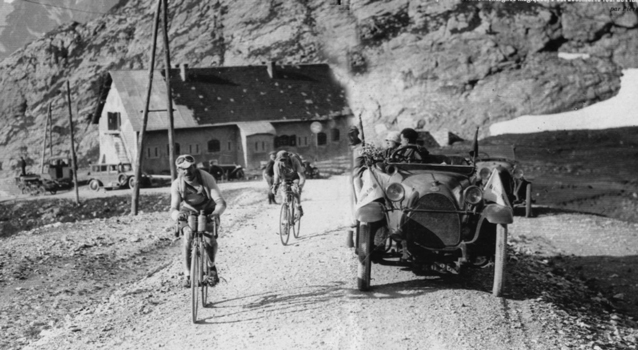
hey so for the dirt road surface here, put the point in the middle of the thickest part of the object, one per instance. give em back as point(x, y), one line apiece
point(304, 296)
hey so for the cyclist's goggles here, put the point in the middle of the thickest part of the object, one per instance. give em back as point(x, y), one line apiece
point(184, 161)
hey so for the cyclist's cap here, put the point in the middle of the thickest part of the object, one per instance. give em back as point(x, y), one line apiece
point(272, 153)
point(184, 161)
point(282, 154)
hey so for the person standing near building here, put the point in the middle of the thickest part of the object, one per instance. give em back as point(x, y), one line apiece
point(268, 175)
point(23, 166)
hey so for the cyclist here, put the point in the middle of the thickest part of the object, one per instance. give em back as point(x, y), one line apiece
point(192, 191)
point(268, 175)
point(288, 168)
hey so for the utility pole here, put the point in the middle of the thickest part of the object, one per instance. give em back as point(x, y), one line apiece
point(73, 157)
point(44, 141)
point(169, 100)
point(140, 143)
point(50, 132)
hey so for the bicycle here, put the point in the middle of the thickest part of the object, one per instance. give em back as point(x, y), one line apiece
point(287, 218)
point(199, 260)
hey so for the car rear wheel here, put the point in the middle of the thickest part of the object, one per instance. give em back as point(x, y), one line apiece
point(366, 241)
point(131, 182)
point(528, 201)
point(94, 185)
point(500, 258)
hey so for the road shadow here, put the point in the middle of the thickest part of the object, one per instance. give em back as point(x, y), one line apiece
point(285, 301)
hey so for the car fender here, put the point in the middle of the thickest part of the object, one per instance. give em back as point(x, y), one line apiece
point(371, 212)
point(498, 214)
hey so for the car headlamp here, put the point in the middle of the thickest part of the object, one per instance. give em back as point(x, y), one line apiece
point(485, 173)
point(473, 195)
point(518, 173)
point(395, 192)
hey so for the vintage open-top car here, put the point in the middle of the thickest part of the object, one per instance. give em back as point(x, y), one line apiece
point(430, 213)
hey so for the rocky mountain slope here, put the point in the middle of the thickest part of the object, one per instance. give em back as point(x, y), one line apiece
point(24, 21)
point(437, 65)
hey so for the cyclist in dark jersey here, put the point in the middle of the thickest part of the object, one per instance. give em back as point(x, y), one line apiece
point(288, 168)
point(269, 174)
point(192, 191)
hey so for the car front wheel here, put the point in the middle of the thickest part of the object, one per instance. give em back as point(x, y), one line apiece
point(94, 185)
point(131, 182)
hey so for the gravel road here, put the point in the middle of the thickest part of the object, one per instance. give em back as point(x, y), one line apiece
point(304, 296)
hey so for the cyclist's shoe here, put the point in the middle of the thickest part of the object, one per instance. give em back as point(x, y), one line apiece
point(213, 278)
point(187, 282)
point(300, 211)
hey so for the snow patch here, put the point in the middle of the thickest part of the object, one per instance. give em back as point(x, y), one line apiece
point(572, 56)
point(616, 112)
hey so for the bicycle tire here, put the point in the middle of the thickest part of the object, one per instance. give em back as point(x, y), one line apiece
point(296, 221)
point(284, 224)
point(195, 280)
point(205, 269)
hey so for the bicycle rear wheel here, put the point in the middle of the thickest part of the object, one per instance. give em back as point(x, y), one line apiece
point(195, 280)
point(284, 224)
point(295, 221)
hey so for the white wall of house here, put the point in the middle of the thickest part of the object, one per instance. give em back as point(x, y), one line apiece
point(107, 138)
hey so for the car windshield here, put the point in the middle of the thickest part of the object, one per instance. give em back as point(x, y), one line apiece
point(127, 167)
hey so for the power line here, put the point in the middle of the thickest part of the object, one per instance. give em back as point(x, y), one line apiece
point(62, 7)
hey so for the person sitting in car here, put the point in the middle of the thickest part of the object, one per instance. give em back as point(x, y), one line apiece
point(392, 142)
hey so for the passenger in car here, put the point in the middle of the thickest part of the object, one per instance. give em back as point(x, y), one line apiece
point(392, 142)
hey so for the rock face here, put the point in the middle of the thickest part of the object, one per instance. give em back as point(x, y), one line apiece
point(24, 21)
point(426, 64)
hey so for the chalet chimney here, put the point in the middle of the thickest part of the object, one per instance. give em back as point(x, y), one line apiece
point(272, 69)
point(182, 71)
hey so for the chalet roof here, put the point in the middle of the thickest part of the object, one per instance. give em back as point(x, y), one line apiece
point(228, 95)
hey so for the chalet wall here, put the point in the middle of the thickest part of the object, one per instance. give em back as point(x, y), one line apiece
point(194, 142)
point(107, 138)
point(306, 143)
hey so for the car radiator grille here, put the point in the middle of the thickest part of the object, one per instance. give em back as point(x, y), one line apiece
point(434, 230)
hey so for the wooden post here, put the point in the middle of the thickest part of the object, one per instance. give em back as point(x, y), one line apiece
point(73, 157)
point(50, 132)
point(169, 100)
point(140, 142)
point(44, 141)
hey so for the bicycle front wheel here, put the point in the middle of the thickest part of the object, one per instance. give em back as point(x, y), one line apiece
point(295, 218)
point(205, 271)
point(284, 224)
point(195, 280)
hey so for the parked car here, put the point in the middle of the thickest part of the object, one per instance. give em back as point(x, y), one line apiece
point(503, 159)
point(431, 214)
point(114, 176)
point(58, 174)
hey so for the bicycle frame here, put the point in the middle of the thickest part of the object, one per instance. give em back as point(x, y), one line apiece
point(199, 261)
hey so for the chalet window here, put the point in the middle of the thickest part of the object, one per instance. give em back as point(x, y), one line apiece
point(230, 145)
point(322, 139)
point(334, 135)
point(113, 120)
point(156, 152)
point(177, 149)
point(256, 146)
point(305, 140)
point(285, 140)
point(148, 152)
point(214, 146)
point(193, 148)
